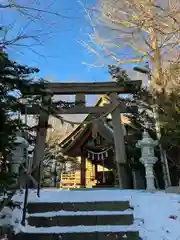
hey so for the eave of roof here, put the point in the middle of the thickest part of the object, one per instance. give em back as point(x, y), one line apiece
point(81, 127)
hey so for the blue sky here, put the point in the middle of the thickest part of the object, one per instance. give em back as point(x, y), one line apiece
point(62, 53)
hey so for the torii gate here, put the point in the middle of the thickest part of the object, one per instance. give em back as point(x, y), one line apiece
point(81, 90)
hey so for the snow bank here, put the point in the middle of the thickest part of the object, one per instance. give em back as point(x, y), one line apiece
point(11, 218)
point(157, 215)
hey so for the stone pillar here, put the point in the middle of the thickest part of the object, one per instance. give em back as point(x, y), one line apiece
point(148, 159)
point(18, 154)
point(83, 171)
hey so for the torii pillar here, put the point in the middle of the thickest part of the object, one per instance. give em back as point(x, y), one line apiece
point(39, 152)
point(120, 152)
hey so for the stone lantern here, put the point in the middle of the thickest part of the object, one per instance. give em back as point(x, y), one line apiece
point(18, 154)
point(148, 159)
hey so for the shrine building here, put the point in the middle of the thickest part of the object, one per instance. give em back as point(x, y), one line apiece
point(93, 145)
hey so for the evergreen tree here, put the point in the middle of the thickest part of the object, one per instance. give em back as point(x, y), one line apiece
point(168, 109)
point(14, 81)
point(118, 74)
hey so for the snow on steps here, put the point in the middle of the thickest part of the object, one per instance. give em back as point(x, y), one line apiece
point(80, 236)
point(79, 220)
point(156, 214)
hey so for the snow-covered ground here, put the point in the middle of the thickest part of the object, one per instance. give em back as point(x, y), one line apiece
point(156, 215)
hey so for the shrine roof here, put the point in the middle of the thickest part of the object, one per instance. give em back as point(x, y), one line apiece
point(70, 140)
point(80, 127)
point(83, 131)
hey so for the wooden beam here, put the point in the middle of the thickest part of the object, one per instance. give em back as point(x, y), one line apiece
point(86, 88)
point(80, 99)
point(34, 110)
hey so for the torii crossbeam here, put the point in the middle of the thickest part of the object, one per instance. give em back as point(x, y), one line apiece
point(94, 88)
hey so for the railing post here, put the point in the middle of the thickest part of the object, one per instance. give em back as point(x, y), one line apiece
point(23, 222)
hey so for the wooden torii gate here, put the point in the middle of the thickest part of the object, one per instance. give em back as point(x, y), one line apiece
point(81, 90)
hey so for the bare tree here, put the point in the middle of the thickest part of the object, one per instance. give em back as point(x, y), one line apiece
point(132, 31)
point(55, 162)
point(29, 23)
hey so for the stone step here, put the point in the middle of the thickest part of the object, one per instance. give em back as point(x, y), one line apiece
point(74, 220)
point(77, 206)
point(79, 236)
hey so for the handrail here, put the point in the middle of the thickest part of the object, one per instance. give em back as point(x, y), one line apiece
point(23, 221)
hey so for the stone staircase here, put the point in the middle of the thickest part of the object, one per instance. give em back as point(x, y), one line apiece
point(78, 215)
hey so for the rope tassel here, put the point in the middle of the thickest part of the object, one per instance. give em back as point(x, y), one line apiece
point(100, 155)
